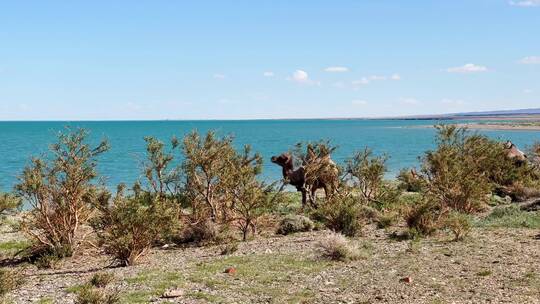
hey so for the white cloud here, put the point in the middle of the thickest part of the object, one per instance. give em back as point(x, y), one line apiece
point(409, 101)
point(525, 3)
point(367, 80)
point(302, 77)
point(467, 68)
point(358, 102)
point(530, 60)
point(336, 69)
point(219, 76)
point(395, 77)
point(268, 74)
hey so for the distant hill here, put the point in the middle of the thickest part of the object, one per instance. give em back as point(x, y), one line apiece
point(499, 113)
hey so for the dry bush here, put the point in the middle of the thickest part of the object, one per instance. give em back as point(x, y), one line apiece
point(9, 281)
point(61, 193)
point(410, 181)
point(367, 172)
point(207, 167)
point(229, 248)
point(202, 232)
point(293, 223)
point(425, 217)
point(459, 224)
point(9, 202)
point(222, 184)
point(90, 295)
point(129, 226)
point(101, 279)
point(337, 247)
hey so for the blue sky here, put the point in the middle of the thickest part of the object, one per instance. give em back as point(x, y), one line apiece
point(94, 60)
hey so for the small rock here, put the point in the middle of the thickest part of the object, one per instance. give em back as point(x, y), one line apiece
point(230, 270)
point(406, 280)
point(173, 293)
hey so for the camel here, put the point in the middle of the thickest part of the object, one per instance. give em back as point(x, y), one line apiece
point(514, 153)
point(297, 177)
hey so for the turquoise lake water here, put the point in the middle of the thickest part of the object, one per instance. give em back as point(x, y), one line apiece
point(19, 141)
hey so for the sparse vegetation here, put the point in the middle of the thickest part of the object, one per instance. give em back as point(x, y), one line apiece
point(101, 279)
point(91, 295)
point(213, 194)
point(459, 224)
point(9, 280)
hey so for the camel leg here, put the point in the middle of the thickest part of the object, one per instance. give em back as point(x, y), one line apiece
point(312, 198)
point(304, 198)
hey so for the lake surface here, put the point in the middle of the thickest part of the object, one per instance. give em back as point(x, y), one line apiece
point(399, 139)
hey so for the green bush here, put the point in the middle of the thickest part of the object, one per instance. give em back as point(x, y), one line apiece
point(293, 223)
point(466, 168)
point(129, 226)
point(341, 213)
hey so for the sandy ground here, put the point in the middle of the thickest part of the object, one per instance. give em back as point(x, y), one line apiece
point(490, 266)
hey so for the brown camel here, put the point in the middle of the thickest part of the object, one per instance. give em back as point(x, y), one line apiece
point(514, 153)
point(297, 177)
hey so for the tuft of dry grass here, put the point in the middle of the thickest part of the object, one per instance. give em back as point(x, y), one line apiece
point(337, 247)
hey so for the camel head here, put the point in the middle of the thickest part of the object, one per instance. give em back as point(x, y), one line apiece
point(283, 160)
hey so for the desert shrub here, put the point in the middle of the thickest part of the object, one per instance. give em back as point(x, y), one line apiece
point(229, 248)
point(9, 202)
point(410, 181)
point(466, 167)
point(162, 176)
point(337, 247)
point(9, 281)
point(90, 295)
point(207, 164)
point(293, 223)
point(424, 218)
point(129, 226)
point(341, 213)
point(387, 219)
point(367, 173)
point(101, 279)
point(222, 185)
point(204, 231)
point(455, 179)
point(459, 224)
point(61, 192)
